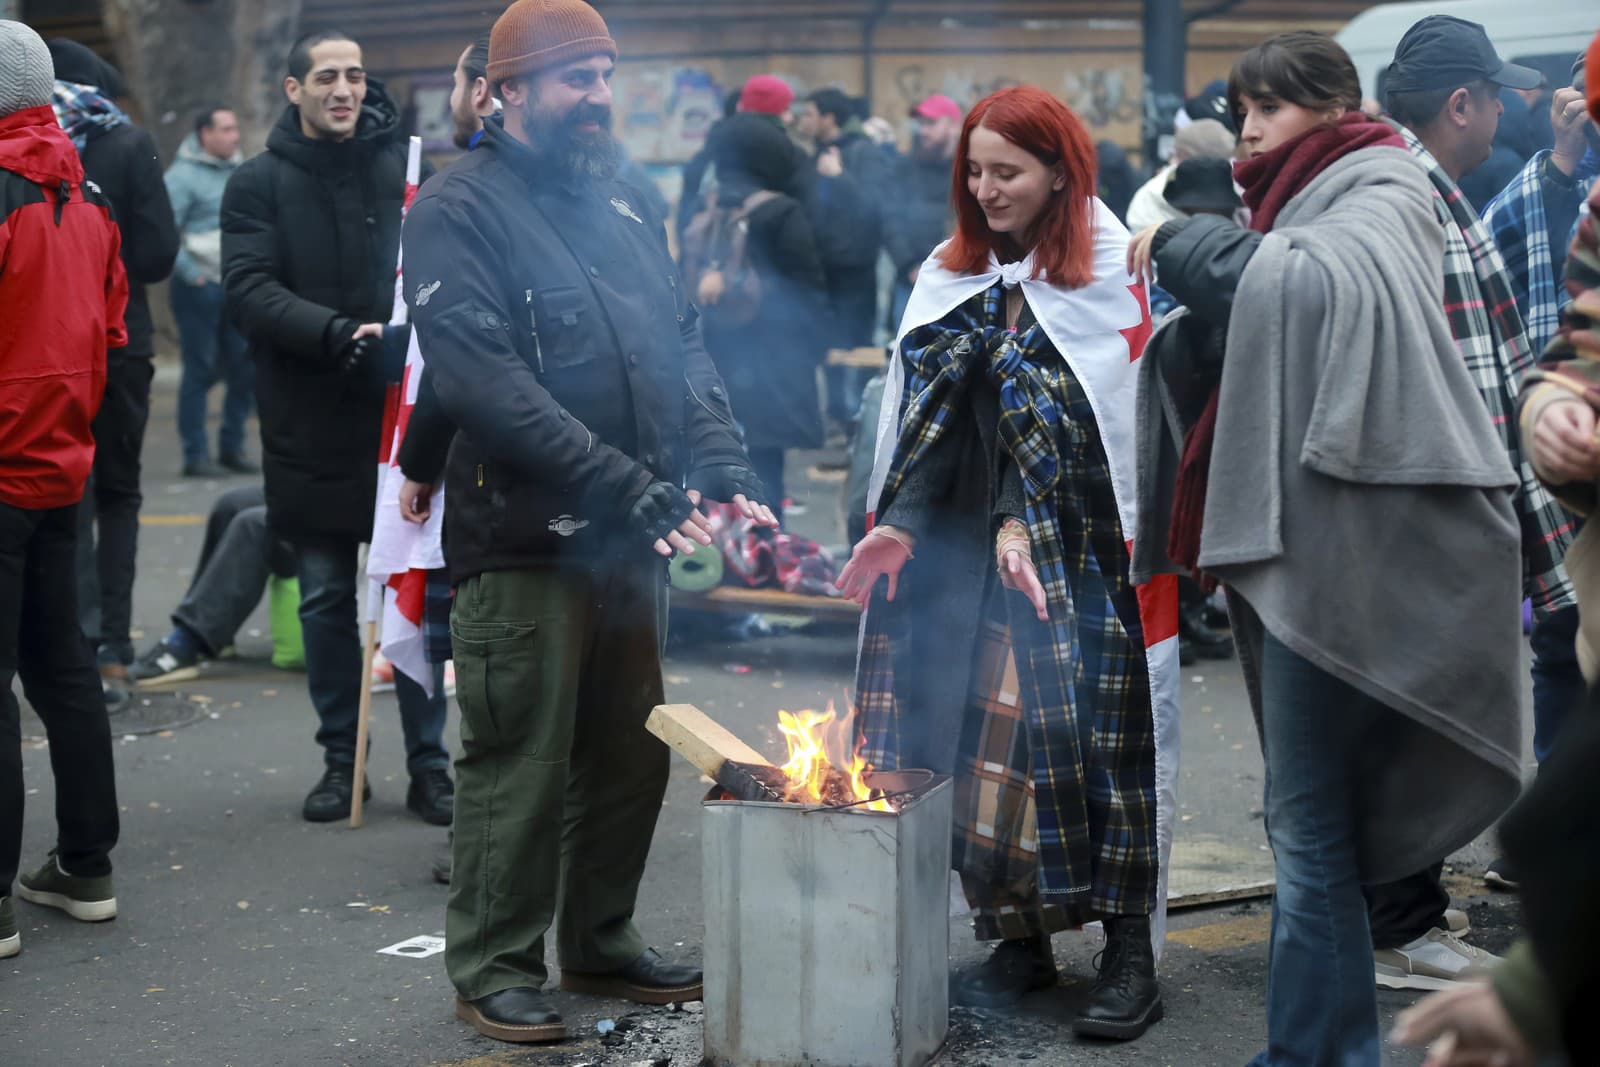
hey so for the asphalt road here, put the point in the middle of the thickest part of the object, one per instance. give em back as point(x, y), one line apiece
point(249, 937)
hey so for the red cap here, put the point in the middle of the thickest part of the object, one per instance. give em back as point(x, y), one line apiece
point(767, 94)
point(937, 107)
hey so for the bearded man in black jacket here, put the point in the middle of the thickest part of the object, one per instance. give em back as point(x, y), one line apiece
point(589, 422)
point(310, 239)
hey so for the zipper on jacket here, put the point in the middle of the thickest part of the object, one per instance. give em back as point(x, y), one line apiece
point(533, 324)
point(480, 476)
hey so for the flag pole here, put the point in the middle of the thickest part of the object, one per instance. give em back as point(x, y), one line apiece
point(375, 590)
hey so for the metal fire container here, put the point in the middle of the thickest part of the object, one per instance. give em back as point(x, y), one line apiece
point(827, 930)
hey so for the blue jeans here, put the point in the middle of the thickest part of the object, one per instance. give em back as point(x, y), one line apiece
point(1322, 1005)
point(213, 351)
point(1558, 686)
point(328, 590)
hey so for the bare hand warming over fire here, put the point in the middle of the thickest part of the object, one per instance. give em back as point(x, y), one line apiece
point(1014, 555)
point(882, 553)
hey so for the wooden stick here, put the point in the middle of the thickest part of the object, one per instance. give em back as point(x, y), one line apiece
point(363, 717)
point(717, 753)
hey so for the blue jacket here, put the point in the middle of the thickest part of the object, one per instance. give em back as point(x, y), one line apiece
point(194, 185)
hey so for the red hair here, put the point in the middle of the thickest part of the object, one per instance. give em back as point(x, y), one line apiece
point(1043, 126)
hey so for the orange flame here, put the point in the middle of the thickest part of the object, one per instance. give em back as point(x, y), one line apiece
point(808, 735)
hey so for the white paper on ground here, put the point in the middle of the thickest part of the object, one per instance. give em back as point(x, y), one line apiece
point(419, 947)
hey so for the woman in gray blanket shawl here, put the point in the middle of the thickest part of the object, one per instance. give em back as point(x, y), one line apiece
point(1310, 438)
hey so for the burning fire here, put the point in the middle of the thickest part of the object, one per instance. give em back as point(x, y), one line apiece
point(814, 777)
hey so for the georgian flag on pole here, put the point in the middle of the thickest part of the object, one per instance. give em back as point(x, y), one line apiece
point(401, 553)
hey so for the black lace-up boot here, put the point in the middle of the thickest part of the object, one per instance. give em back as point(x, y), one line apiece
point(1013, 969)
point(1125, 999)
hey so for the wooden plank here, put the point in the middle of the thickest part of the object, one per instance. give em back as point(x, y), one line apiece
point(732, 598)
point(700, 739)
point(870, 357)
point(1246, 891)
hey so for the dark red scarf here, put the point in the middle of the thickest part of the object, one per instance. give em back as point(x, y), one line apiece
point(1270, 181)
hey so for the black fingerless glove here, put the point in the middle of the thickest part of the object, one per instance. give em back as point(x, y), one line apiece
point(659, 510)
point(358, 354)
point(722, 482)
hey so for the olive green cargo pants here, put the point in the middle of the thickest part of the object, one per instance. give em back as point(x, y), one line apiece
point(558, 785)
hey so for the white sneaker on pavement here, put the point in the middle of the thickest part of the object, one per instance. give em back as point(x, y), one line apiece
point(1436, 960)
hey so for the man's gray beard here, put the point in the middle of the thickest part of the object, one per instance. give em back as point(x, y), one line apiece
point(592, 157)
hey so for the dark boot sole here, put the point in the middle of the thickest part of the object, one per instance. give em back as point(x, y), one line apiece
point(606, 985)
point(520, 1035)
point(1120, 1030)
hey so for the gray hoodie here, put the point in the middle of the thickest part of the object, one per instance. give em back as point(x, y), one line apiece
point(194, 184)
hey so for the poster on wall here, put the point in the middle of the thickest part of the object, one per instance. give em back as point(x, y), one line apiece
point(430, 109)
point(662, 114)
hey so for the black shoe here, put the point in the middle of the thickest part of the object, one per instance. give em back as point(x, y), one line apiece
point(1186, 656)
point(1204, 642)
point(165, 663)
point(1126, 998)
point(1501, 875)
point(203, 468)
point(238, 464)
point(432, 796)
point(1013, 969)
point(647, 980)
point(443, 862)
point(519, 1014)
point(330, 800)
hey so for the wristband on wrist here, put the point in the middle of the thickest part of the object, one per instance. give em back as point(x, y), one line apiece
point(891, 534)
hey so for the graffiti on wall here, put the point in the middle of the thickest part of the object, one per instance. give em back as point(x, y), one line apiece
point(1101, 95)
point(662, 114)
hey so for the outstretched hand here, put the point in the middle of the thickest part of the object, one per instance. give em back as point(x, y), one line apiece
point(880, 554)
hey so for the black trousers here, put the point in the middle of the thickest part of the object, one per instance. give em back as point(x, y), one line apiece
point(40, 639)
point(1399, 912)
point(111, 502)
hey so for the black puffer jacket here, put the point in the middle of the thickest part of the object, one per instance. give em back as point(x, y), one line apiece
point(770, 363)
point(310, 236)
point(563, 349)
point(920, 213)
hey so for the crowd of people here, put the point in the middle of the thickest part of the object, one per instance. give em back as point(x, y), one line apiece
point(1312, 345)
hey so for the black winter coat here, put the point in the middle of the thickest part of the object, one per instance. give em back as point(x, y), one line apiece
point(920, 214)
point(562, 347)
point(310, 239)
point(124, 163)
point(770, 363)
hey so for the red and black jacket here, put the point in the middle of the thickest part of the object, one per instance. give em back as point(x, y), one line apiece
point(63, 292)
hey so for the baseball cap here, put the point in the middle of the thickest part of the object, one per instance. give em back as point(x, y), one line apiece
point(937, 107)
point(1441, 51)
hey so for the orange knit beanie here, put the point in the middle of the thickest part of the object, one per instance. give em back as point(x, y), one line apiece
point(534, 34)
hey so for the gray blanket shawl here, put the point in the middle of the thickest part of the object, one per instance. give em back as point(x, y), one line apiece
point(1359, 501)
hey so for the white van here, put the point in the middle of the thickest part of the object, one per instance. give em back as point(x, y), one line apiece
point(1546, 35)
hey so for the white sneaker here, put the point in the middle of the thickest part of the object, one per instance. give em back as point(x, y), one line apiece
point(1436, 960)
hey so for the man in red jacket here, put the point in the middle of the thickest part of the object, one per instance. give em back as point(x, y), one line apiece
point(62, 295)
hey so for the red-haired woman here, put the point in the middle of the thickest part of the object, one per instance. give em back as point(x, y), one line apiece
point(1012, 653)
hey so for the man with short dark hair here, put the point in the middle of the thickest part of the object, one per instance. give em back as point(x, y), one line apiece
point(62, 293)
point(1444, 99)
point(471, 99)
point(310, 239)
point(121, 159)
point(564, 350)
point(210, 348)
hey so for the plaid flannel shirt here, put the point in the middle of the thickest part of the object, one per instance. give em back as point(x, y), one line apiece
point(1517, 223)
point(1489, 333)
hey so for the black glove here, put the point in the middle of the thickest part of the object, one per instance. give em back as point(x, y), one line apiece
point(659, 510)
point(359, 354)
point(723, 481)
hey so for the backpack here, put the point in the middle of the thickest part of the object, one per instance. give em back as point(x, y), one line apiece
point(716, 261)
